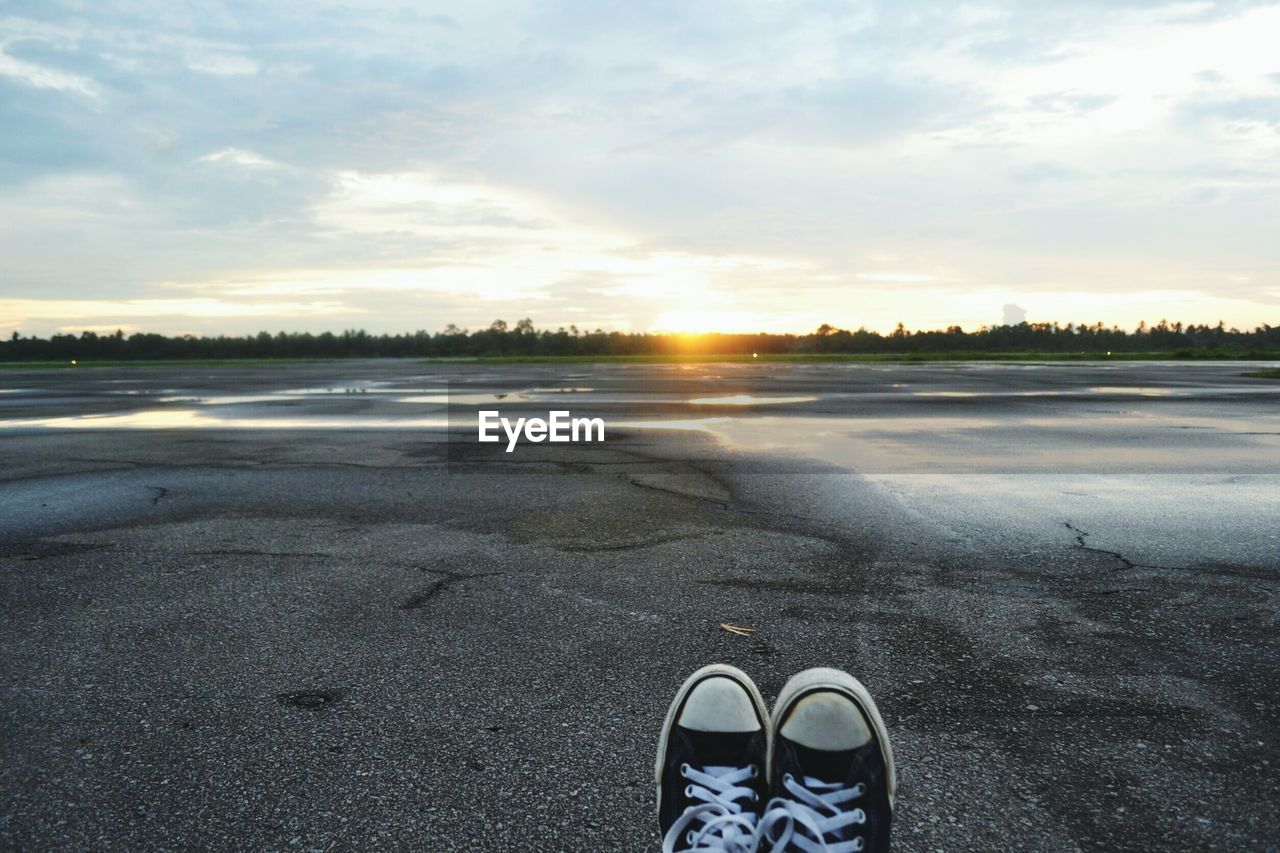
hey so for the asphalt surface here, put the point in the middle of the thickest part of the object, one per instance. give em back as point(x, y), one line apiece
point(283, 608)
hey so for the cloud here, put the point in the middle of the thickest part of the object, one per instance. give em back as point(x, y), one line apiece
point(905, 278)
point(238, 157)
point(67, 309)
point(108, 329)
point(45, 78)
point(1012, 315)
point(1258, 110)
point(223, 64)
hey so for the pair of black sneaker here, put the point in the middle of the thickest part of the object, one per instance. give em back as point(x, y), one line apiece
point(817, 775)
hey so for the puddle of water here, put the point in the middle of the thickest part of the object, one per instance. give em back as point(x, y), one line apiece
point(445, 399)
point(227, 400)
point(196, 419)
point(315, 393)
point(954, 444)
point(748, 400)
point(402, 389)
point(356, 388)
point(1084, 392)
point(692, 424)
point(807, 424)
point(214, 398)
point(1142, 392)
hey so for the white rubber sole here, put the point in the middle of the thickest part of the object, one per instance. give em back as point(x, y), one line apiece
point(723, 669)
point(823, 678)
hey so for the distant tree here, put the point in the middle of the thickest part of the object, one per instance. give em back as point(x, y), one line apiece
point(1183, 340)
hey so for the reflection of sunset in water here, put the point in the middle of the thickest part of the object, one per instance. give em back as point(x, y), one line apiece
point(749, 400)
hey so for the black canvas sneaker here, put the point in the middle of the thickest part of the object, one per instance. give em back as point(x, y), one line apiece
point(711, 763)
point(830, 768)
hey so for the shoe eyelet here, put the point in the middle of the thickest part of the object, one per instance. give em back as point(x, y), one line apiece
point(755, 771)
point(787, 777)
point(684, 770)
point(688, 790)
point(688, 837)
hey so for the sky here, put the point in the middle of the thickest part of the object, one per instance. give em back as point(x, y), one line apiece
point(227, 167)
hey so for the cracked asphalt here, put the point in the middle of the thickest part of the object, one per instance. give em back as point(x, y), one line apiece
point(281, 607)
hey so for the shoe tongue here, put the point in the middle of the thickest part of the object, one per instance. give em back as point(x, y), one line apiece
point(827, 765)
point(720, 749)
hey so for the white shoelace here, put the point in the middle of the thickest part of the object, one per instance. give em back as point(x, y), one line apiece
point(815, 810)
point(718, 822)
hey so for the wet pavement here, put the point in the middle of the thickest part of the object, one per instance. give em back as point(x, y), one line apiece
point(290, 607)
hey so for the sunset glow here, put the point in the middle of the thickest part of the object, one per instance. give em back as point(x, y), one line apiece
point(683, 171)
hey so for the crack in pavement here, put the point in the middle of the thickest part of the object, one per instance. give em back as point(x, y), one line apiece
point(1080, 543)
point(677, 493)
point(1081, 535)
point(160, 492)
point(719, 504)
point(420, 599)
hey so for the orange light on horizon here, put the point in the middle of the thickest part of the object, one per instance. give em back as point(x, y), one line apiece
point(689, 342)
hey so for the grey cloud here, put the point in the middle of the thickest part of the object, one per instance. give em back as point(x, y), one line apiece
point(1030, 49)
point(1260, 109)
point(41, 134)
point(870, 109)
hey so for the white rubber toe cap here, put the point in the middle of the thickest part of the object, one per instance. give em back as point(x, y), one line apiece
point(826, 721)
point(719, 704)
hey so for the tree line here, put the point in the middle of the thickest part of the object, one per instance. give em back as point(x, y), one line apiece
point(525, 340)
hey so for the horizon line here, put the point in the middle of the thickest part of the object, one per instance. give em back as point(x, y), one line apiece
point(518, 328)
